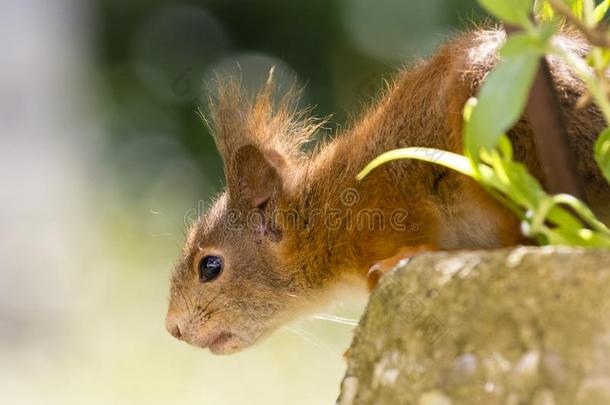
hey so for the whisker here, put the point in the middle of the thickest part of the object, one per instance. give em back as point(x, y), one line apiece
point(210, 302)
point(336, 319)
point(218, 311)
point(191, 301)
point(308, 337)
point(156, 235)
point(184, 298)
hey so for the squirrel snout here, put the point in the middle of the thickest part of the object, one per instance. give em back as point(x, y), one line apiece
point(173, 327)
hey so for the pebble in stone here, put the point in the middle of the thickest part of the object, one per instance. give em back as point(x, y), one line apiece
point(489, 387)
point(525, 373)
point(382, 374)
point(462, 369)
point(390, 376)
point(496, 364)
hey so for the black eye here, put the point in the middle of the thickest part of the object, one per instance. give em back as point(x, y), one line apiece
point(210, 267)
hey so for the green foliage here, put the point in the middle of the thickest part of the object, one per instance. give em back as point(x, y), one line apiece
point(550, 219)
point(576, 6)
point(503, 97)
point(600, 11)
point(586, 10)
point(450, 160)
point(515, 12)
point(602, 153)
point(543, 10)
point(543, 218)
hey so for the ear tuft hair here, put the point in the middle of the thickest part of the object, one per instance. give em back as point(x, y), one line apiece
point(269, 125)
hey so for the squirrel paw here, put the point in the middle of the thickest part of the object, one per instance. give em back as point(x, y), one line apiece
point(401, 258)
point(346, 354)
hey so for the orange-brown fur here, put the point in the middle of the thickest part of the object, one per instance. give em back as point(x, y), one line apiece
point(287, 263)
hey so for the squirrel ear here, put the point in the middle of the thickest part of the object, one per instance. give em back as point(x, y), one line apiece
point(255, 175)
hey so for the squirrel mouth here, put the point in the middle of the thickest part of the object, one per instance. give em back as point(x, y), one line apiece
point(216, 344)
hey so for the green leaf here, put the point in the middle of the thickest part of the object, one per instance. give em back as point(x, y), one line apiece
point(559, 216)
point(576, 6)
point(515, 12)
point(451, 160)
point(599, 58)
point(578, 237)
point(583, 212)
point(602, 153)
point(504, 94)
point(600, 11)
point(543, 10)
point(513, 179)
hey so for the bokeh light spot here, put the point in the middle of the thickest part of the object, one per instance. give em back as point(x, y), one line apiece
point(173, 47)
point(389, 30)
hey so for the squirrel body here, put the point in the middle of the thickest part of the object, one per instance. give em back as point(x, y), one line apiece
point(292, 225)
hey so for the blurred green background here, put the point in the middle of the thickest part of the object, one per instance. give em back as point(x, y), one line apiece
point(103, 158)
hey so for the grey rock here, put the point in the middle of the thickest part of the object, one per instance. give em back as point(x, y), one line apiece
point(511, 326)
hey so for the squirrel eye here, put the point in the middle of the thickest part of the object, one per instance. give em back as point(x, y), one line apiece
point(210, 267)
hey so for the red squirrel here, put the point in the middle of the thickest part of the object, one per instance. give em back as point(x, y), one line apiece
point(293, 225)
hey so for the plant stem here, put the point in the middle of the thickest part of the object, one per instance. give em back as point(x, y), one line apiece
point(594, 36)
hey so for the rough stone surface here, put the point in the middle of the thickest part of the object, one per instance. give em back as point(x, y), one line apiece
point(522, 326)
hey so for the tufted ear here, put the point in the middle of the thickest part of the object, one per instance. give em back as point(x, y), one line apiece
point(255, 176)
point(271, 121)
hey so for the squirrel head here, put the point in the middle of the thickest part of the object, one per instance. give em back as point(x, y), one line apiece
point(233, 283)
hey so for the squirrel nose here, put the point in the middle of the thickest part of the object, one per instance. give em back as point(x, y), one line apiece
point(172, 326)
point(175, 332)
